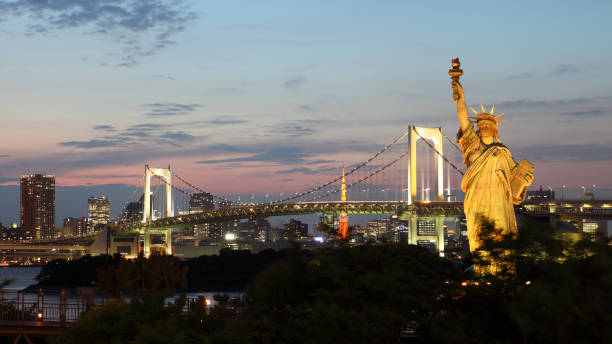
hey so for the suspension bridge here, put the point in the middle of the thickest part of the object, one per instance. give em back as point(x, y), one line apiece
point(410, 177)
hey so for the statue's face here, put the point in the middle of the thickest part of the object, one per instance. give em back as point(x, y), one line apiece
point(487, 129)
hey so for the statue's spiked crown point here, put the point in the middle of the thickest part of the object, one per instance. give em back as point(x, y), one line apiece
point(487, 116)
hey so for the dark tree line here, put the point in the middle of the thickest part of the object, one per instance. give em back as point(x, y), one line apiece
point(553, 292)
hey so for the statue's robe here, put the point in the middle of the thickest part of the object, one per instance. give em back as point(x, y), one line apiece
point(486, 183)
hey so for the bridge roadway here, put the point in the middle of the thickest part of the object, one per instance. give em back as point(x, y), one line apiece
point(302, 208)
point(570, 209)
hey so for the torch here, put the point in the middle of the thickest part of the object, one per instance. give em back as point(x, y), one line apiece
point(455, 72)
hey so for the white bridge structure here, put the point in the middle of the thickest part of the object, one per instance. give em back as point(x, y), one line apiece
point(385, 183)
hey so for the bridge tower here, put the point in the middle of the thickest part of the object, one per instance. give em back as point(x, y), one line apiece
point(166, 174)
point(434, 134)
point(343, 217)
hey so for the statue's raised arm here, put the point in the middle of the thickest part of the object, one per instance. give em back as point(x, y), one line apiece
point(458, 96)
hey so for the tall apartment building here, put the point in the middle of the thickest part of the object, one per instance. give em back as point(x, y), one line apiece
point(201, 203)
point(37, 205)
point(99, 212)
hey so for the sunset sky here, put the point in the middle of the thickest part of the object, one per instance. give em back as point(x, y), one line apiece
point(262, 96)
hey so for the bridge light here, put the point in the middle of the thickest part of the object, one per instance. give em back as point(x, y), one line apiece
point(40, 315)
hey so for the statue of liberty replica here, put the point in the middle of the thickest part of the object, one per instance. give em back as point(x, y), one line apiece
point(493, 181)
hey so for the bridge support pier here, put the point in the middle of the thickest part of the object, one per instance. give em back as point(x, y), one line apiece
point(147, 215)
point(434, 134)
point(167, 245)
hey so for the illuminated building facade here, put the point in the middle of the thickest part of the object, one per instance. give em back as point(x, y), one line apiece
point(37, 205)
point(77, 226)
point(99, 212)
point(540, 195)
point(200, 203)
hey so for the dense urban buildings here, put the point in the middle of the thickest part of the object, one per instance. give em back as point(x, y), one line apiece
point(540, 195)
point(76, 226)
point(201, 202)
point(37, 205)
point(14, 233)
point(295, 230)
point(99, 212)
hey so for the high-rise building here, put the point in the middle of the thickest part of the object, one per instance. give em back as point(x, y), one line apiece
point(37, 205)
point(201, 202)
point(198, 203)
point(132, 212)
point(99, 212)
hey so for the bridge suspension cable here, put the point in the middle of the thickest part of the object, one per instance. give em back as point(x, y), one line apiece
point(335, 180)
point(348, 186)
point(221, 198)
point(443, 157)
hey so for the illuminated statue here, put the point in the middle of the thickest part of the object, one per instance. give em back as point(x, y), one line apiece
point(493, 181)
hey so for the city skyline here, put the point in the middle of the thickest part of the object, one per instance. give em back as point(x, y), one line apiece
point(256, 98)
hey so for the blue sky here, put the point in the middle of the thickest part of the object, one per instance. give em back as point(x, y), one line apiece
point(231, 93)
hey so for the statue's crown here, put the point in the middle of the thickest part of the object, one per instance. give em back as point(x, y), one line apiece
point(487, 116)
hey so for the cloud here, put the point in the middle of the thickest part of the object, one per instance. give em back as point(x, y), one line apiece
point(297, 130)
point(307, 170)
point(91, 143)
point(138, 134)
point(555, 102)
point(145, 126)
point(578, 152)
point(232, 148)
point(306, 107)
point(294, 128)
point(294, 83)
point(320, 161)
point(141, 27)
point(104, 127)
point(583, 114)
point(170, 109)
point(225, 120)
point(107, 176)
point(4, 155)
point(578, 116)
point(304, 170)
point(564, 69)
point(178, 136)
point(285, 155)
point(159, 76)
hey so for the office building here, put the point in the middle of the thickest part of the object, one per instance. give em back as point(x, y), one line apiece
point(37, 205)
point(99, 213)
